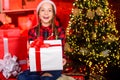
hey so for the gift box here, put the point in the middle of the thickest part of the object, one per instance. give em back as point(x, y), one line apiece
point(12, 48)
point(25, 23)
point(12, 34)
point(8, 4)
point(46, 58)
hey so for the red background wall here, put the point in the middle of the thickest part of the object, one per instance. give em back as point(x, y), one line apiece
point(63, 10)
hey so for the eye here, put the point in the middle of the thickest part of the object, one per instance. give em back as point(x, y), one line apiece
point(42, 10)
point(50, 10)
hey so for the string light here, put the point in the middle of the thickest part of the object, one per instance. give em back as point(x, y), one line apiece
point(92, 35)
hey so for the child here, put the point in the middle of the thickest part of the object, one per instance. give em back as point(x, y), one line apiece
point(47, 29)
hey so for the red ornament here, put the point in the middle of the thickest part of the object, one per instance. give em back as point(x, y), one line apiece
point(69, 69)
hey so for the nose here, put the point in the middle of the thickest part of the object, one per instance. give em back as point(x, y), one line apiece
point(46, 12)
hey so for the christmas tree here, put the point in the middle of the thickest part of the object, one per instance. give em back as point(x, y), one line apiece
point(91, 36)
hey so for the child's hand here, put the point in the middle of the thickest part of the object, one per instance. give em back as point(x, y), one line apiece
point(47, 74)
point(64, 61)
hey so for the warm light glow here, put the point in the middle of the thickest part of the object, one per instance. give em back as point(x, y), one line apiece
point(94, 38)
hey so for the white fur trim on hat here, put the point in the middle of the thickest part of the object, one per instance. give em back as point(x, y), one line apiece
point(44, 1)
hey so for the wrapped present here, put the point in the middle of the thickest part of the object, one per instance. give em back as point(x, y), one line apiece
point(25, 23)
point(7, 26)
point(9, 66)
point(48, 56)
point(12, 49)
point(5, 19)
point(8, 4)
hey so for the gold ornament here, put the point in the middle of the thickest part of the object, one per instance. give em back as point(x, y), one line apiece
point(67, 47)
point(99, 12)
point(94, 35)
point(90, 14)
point(105, 53)
point(84, 51)
point(76, 11)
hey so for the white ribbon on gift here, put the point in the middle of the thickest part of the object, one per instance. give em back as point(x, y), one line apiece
point(8, 65)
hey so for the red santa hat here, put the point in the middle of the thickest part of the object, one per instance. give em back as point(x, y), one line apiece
point(46, 1)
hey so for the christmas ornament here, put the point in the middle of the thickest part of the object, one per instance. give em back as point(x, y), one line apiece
point(105, 53)
point(76, 11)
point(94, 35)
point(67, 47)
point(84, 51)
point(90, 14)
point(99, 12)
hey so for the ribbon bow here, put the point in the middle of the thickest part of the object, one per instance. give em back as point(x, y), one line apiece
point(9, 66)
point(37, 43)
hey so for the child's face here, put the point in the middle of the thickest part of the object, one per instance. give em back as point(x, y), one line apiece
point(46, 13)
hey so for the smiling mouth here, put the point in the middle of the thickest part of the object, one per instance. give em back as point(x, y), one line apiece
point(46, 17)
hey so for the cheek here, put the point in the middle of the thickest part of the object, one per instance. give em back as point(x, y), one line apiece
point(41, 13)
point(51, 16)
point(40, 16)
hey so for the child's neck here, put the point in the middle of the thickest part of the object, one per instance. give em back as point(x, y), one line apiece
point(46, 25)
